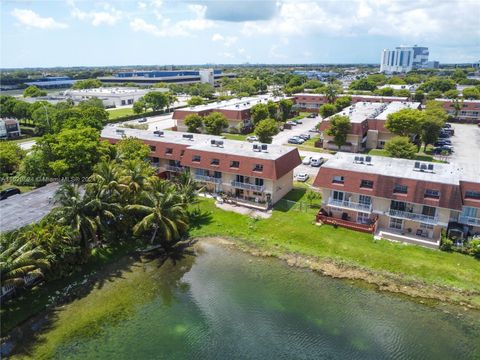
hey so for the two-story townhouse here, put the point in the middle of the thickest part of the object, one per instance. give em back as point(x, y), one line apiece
point(255, 175)
point(396, 199)
point(462, 110)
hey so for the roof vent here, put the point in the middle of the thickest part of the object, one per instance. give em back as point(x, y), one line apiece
point(188, 136)
point(120, 131)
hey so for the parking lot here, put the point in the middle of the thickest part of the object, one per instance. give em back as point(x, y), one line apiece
point(466, 146)
point(307, 124)
point(23, 209)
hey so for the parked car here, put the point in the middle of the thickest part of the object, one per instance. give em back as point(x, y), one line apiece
point(441, 149)
point(252, 138)
point(304, 136)
point(4, 194)
point(443, 142)
point(291, 123)
point(306, 160)
point(314, 130)
point(302, 177)
point(296, 140)
point(444, 135)
point(142, 120)
point(316, 161)
point(447, 125)
point(312, 115)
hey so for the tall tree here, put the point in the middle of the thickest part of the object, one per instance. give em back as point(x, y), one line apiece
point(405, 122)
point(259, 112)
point(194, 123)
point(156, 100)
point(285, 106)
point(401, 147)
point(339, 128)
point(265, 130)
point(215, 123)
point(327, 110)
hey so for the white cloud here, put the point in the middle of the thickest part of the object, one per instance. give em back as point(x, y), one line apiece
point(108, 15)
point(30, 18)
point(141, 5)
point(429, 20)
point(226, 40)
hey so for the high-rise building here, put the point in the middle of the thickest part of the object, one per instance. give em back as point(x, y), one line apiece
point(404, 59)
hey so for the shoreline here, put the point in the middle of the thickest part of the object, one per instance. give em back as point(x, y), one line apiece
point(387, 282)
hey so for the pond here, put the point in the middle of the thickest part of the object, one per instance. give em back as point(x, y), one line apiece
point(224, 304)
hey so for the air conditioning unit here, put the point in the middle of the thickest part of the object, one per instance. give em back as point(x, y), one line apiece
point(120, 131)
point(188, 136)
point(423, 167)
point(368, 159)
point(417, 165)
point(213, 142)
point(158, 133)
point(220, 143)
point(264, 147)
point(256, 147)
point(430, 167)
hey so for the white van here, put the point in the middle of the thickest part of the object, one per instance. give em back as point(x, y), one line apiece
point(316, 161)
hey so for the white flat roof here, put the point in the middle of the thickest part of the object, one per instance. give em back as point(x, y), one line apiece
point(109, 91)
point(199, 142)
point(361, 111)
point(235, 104)
point(400, 168)
point(395, 106)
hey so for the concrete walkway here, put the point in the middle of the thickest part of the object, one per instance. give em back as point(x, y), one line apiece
point(244, 210)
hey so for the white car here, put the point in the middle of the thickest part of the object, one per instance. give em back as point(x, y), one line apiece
point(302, 177)
point(316, 161)
point(306, 160)
point(252, 138)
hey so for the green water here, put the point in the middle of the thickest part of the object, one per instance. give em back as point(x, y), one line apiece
point(222, 304)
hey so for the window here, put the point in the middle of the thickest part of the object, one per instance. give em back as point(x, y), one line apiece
point(426, 226)
point(400, 189)
point(152, 147)
point(363, 218)
point(182, 152)
point(258, 167)
point(217, 175)
point(196, 158)
point(235, 164)
point(215, 162)
point(433, 194)
point(396, 224)
point(168, 151)
point(338, 180)
point(469, 212)
point(398, 205)
point(258, 182)
point(338, 195)
point(472, 195)
point(364, 200)
point(367, 184)
point(428, 211)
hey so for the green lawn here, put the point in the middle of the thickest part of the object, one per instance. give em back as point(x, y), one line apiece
point(294, 232)
point(421, 156)
point(241, 137)
point(116, 113)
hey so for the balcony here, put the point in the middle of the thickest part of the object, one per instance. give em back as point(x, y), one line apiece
point(426, 219)
point(210, 179)
point(344, 204)
point(175, 168)
point(248, 186)
point(467, 220)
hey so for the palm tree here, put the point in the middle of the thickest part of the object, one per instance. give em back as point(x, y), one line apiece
point(162, 213)
point(135, 177)
point(73, 211)
point(20, 257)
point(107, 180)
point(187, 188)
point(331, 93)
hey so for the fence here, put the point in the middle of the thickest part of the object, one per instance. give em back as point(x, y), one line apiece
point(289, 205)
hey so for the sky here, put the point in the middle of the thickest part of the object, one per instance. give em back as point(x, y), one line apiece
point(158, 32)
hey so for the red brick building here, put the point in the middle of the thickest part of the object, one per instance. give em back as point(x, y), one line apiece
point(467, 111)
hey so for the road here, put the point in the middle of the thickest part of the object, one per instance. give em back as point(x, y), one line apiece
point(466, 146)
point(23, 209)
point(27, 145)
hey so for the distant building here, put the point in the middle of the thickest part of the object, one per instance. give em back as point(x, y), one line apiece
point(110, 96)
point(9, 129)
point(173, 76)
point(462, 110)
point(315, 74)
point(404, 59)
point(50, 82)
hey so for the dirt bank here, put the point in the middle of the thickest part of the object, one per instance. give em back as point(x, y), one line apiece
point(383, 281)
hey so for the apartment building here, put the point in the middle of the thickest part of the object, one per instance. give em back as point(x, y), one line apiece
point(404, 59)
point(237, 111)
point(368, 125)
point(9, 129)
point(110, 96)
point(254, 175)
point(398, 199)
point(461, 110)
point(312, 102)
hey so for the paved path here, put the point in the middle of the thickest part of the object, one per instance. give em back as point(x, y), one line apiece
point(23, 209)
point(27, 145)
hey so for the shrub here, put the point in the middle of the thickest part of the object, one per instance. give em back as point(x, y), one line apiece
point(446, 244)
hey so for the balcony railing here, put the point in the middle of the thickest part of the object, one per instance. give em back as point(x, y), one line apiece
point(208, 179)
point(467, 220)
point(248, 186)
point(413, 216)
point(175, 168)
point(344, 204)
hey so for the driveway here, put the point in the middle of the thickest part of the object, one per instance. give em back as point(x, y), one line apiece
point(466, 146)
point(23, 209)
